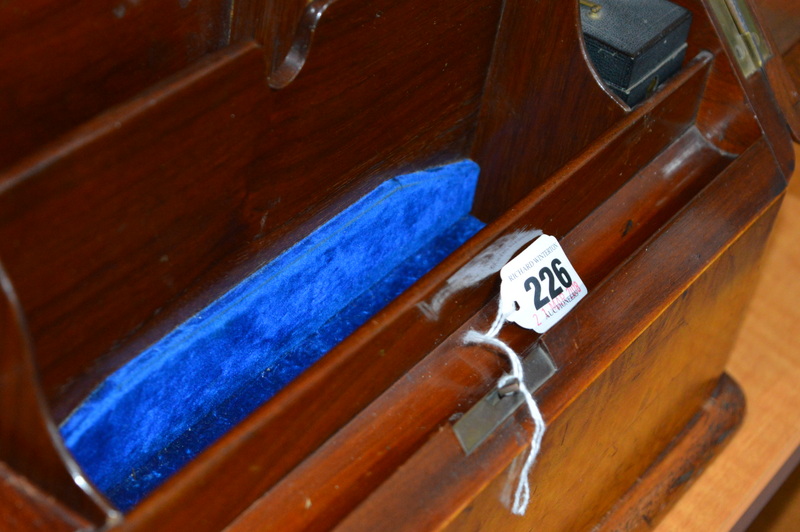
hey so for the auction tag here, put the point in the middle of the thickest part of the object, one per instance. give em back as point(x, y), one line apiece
point(539, 286)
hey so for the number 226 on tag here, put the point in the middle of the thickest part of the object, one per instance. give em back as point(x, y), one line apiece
point(539, 286)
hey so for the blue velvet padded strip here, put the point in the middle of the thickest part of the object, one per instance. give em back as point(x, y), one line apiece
point(161, 409)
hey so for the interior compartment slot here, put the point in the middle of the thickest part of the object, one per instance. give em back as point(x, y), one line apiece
point(242, 349)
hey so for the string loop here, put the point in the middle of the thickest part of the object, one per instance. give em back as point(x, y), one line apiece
point(523, 491)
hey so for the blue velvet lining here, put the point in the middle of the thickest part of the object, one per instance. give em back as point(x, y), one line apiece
point(157, 412)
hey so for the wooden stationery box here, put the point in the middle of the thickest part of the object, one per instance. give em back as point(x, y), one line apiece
point(158, 155)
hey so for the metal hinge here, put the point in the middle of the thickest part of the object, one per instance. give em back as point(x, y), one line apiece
point(738, 25)
point(490, 412)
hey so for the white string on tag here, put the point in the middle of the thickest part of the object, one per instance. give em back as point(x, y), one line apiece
point(523, 492)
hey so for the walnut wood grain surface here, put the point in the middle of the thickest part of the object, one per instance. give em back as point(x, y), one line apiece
point(685, 458)
point(780, 20)
point(584, 347)
point(29, 441)
point(24, 508)
point(196, 182)
point(62, 63)
point(780, 17)
point(766, 363)
point(273, 437)
point(143, 204)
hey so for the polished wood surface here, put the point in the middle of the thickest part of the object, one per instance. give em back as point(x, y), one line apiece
point(599, 411)
point(29, 438)
point(333, 481)
point(147, 203)
point(766, 362)
point(64, 62)
point(779, 19)
point(685, 458)
point(270, 171)
point(23, 506)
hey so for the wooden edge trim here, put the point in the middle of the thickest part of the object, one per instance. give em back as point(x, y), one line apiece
point(436, 460)
point(29, 439)
point(681, 462)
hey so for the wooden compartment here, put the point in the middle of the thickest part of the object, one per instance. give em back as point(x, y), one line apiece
point(223, 157)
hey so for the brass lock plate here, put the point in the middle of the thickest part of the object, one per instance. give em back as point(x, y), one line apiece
point(489, 413)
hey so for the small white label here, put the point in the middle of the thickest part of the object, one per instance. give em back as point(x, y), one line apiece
point(539, 286)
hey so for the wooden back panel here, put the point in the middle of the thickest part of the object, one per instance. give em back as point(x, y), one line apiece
point(64, 62)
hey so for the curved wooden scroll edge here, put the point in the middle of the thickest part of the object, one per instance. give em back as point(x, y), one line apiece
point(295, 59)
point(27, 424)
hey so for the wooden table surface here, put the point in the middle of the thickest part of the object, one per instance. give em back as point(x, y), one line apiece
point(766, 363)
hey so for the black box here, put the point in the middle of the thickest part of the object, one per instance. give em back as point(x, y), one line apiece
point(635, 44)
